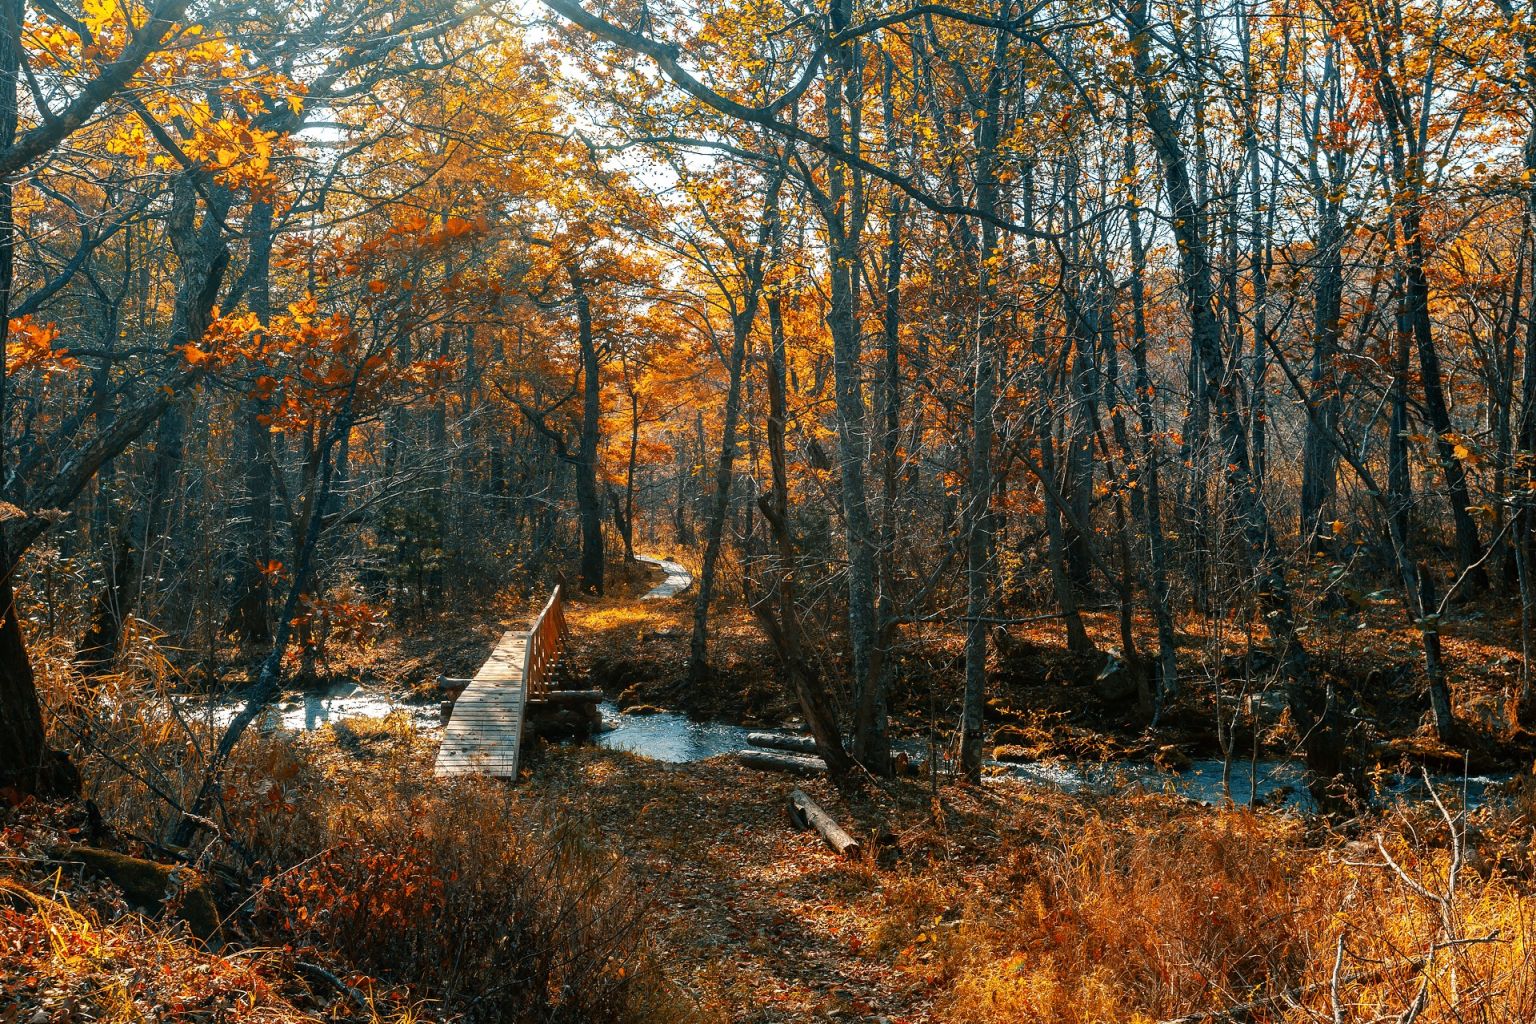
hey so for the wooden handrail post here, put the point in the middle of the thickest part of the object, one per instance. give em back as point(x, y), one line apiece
point(545, 645)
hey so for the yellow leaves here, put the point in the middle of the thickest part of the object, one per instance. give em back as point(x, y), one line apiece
point(51, 45)
point(303, 311)
point(1464, 449)
point(130, 141)
point(239, 154)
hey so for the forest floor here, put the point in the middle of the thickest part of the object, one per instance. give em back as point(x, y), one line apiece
point(1002, 902)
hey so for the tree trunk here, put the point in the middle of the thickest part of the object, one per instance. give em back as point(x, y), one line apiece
point(843, 212)
point(27, 765)
point(719, 504)
point(980, 567)
point(1146, 478)
point(1313, 707)
point(589, 503)
point(783, 628)
point(742, 320)
point(251, 618)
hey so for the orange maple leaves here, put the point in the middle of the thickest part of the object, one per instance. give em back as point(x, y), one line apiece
point(304, 364)
point(30, 346)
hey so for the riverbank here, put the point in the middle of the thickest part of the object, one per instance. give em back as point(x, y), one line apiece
point(1016, 903)
point(1047, 703)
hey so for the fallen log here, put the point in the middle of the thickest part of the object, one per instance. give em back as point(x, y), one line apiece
point(805, 812)
point(780, 741)
point(780, 761)
point(567, 697)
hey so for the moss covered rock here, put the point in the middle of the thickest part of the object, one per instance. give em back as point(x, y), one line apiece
point(152, 886)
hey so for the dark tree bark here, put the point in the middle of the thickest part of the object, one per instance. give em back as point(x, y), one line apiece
point(202, 256)
point(778, 613)
point(979, 523)
point(251, 618)
point(743, 316)
point(1319, 463)
point(27, 765)
point(843, 211)
point(1146, 479)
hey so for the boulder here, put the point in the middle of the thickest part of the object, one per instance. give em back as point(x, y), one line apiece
point(151, 886)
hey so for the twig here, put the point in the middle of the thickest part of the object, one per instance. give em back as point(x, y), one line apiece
point(316, 971)
point(1417, 963)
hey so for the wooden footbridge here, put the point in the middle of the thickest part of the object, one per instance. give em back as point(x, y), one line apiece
point(483, 729)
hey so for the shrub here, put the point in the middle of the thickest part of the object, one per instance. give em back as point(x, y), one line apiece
point(498, 911)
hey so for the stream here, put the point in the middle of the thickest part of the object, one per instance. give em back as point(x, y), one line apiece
point(671, 737)
point(675, 738)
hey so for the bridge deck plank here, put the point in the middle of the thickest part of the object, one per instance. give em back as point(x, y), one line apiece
point(485, 732)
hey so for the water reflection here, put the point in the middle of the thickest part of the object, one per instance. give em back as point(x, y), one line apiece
point(667, 736)
point(309, 711)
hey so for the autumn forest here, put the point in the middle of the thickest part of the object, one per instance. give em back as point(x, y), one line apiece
point(741, 510)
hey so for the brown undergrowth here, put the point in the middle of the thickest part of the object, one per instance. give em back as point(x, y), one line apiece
point(1011, 904)
point(349, 882)
point(605, 887)
point(609, 887)
point(637, 651)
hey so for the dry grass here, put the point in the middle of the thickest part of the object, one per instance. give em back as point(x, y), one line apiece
point(351, 881)
point(1019, 905)
point(1144, 908)
point(608, 888)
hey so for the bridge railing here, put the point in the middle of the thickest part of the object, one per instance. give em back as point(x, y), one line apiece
point(547, 639)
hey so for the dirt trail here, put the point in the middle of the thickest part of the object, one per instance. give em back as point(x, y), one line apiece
point(758, 922)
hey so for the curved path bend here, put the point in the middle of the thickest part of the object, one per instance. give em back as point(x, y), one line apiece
point(678, 579)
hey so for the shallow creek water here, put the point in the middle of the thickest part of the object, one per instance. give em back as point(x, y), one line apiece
point(677, 739)
point(667, 736)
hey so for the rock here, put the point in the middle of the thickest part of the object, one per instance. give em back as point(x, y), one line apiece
point(1115, 682)
point(1012, 752)
point(150, 885)
point(1171, 758)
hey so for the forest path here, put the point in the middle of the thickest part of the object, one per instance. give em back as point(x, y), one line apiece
point(758, 922)
point(676, 580)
